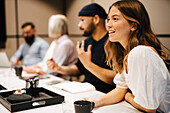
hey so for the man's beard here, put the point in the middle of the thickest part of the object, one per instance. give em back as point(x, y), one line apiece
point(90, 30)
point(29, 39)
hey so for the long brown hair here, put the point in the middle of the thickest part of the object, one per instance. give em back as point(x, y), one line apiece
point(134, 12)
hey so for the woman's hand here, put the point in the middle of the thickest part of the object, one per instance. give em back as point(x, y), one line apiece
point(129, 96)
point(29, 69)
point(96, 102)
point(113, 97)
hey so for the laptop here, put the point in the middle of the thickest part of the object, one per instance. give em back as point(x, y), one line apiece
point(4, 61)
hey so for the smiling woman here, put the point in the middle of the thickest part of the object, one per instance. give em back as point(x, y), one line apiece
point(119, 28)
point(134, 51)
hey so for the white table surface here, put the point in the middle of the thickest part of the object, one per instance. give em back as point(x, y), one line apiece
point(9, 80)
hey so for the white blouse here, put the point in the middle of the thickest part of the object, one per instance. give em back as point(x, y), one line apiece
point(62, 51)
point(147, 78)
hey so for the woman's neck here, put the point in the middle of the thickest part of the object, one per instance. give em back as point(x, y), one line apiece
point(124, 43)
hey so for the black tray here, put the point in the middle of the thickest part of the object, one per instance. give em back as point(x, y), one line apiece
point(45, 98)
point(2, 87)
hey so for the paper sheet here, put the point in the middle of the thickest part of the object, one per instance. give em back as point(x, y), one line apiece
point(75, 87)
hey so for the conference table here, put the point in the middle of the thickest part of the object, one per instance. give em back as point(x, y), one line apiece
point(9, 80)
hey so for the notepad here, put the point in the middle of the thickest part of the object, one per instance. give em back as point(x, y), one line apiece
point(75, 87)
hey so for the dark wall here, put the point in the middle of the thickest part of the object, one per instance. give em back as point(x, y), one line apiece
point(2, 24)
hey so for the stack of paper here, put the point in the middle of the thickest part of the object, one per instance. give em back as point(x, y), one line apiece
point(75, 87)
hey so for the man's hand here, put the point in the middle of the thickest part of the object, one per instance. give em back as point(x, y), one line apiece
point(52, 66)
point(84, 57)
point(16, 62)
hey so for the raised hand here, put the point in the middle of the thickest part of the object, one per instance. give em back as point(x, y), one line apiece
point(84, 57)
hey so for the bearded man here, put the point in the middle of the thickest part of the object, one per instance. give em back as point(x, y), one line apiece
point(91, 55)
point(33, 51)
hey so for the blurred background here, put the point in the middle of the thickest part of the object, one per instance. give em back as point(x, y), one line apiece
point(13, 13)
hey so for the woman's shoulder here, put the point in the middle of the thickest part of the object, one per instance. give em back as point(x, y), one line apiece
point(142, 50)
point(67, 42)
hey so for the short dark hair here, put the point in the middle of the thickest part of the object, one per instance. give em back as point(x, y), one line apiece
point(27, 24)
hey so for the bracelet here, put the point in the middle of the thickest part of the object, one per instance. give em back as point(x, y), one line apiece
point(37, 71)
